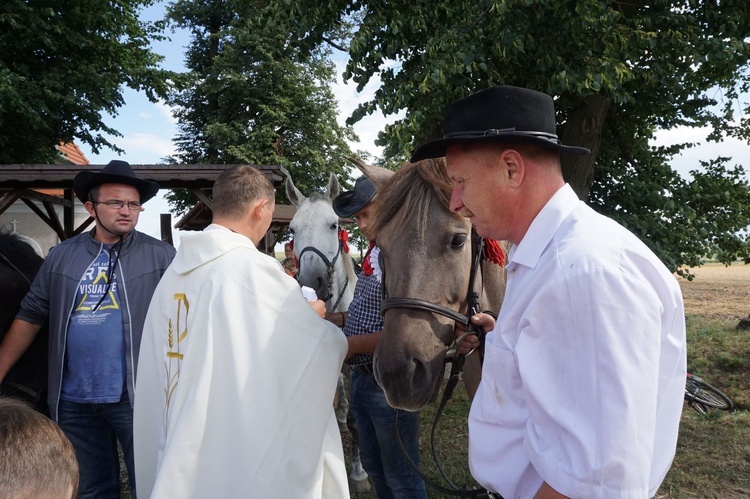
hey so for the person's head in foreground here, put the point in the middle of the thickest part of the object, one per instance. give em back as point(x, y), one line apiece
point(37, 461)
point(502, 153)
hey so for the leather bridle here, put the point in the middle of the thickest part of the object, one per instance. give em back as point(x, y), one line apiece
point(452, 356)
point(472, 299)
point(329, 269)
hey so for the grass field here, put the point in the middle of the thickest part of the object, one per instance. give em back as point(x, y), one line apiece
point(713, 452)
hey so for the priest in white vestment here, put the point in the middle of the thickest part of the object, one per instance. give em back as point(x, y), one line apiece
point(237, 372)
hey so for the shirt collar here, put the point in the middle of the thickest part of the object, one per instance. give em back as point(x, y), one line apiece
point(543, 228)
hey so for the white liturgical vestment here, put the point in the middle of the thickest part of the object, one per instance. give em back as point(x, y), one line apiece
point(235, 381)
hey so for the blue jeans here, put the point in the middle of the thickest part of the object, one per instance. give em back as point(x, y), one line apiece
point(382, 458)
point(94, 430)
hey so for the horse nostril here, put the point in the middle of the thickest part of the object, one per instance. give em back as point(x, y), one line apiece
point(421, 379)
point(408, 385)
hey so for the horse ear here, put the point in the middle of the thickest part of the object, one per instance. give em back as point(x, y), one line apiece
point(333, 186)
point(377, 174)
point(294, 195)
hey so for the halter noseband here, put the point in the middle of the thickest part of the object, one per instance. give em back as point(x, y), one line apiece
point(329, 268)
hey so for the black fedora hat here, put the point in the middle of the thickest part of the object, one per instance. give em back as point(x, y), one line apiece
point(499, 114)
point(348, 203)
point(116, 172)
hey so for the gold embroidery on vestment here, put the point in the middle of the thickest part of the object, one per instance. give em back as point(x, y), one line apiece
point(174, 354)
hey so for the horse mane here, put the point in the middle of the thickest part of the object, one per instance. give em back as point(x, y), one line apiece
point(409, 193)
point(318, 196)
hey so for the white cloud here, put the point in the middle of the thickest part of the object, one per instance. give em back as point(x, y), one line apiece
point(165, 111)
point(156, 146)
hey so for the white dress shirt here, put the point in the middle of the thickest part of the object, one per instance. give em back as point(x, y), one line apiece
point(583, 377)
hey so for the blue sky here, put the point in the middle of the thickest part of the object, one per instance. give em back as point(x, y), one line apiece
point(148, 129)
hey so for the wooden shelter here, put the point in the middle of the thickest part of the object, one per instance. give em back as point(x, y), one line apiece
point(38, 185)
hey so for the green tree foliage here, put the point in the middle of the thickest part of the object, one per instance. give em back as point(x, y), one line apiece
point(619, 71)
point(63, 64)
point(255, 96)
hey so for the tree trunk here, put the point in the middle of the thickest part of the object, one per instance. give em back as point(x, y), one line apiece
point(584, 128)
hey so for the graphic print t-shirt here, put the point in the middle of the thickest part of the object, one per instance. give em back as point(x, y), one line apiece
point(95, 351)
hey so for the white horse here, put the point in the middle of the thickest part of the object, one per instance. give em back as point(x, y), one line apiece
point(319, 246)
point(325, 266)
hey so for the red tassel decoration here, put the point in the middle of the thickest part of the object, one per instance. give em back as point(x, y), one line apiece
point(493, 252)
point(344, 237)
point(291, 247)
point(366, 264)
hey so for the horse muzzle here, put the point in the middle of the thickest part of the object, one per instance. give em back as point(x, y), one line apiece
point(409, 385)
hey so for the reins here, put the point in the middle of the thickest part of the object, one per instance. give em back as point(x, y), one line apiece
point(452, 356)
point(14, 267)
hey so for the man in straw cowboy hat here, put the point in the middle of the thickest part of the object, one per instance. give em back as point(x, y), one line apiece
point(94, 289)
point(584, 371)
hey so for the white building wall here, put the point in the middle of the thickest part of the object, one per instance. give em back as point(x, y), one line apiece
point(21, 219)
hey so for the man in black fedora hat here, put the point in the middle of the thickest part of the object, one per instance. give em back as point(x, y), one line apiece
point(94, 289)
point(584, 371)
point(382, 458)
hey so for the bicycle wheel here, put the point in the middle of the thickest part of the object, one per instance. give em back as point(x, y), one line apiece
point(698, 391)
point(700, 408)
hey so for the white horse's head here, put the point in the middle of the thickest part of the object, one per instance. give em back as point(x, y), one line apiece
point(315, 228)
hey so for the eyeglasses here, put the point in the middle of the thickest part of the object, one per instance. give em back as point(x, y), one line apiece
point(117, 205)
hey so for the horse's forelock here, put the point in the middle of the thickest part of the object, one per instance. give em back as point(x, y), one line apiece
point(408, 194)
point(317, 196)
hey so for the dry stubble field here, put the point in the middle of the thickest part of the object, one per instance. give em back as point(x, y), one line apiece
point(718, 292)
point(713, 451)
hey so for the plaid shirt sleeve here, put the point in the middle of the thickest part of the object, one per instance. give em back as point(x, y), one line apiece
point(364, 313)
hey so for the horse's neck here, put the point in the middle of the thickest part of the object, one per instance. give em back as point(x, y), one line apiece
point(493, 286)
point(344, 281)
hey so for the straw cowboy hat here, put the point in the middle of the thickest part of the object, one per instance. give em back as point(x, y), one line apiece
point(499, 114)
point(116, 172)
point(348, 203)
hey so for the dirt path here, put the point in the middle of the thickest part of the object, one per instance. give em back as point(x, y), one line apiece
point(718, 291)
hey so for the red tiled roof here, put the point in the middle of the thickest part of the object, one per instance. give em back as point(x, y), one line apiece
point(72, 153)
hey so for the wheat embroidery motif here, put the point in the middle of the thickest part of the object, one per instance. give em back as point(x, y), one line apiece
point(173, 361)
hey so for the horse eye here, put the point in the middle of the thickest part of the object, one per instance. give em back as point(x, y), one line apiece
point(334, 226)
point(458, 240)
